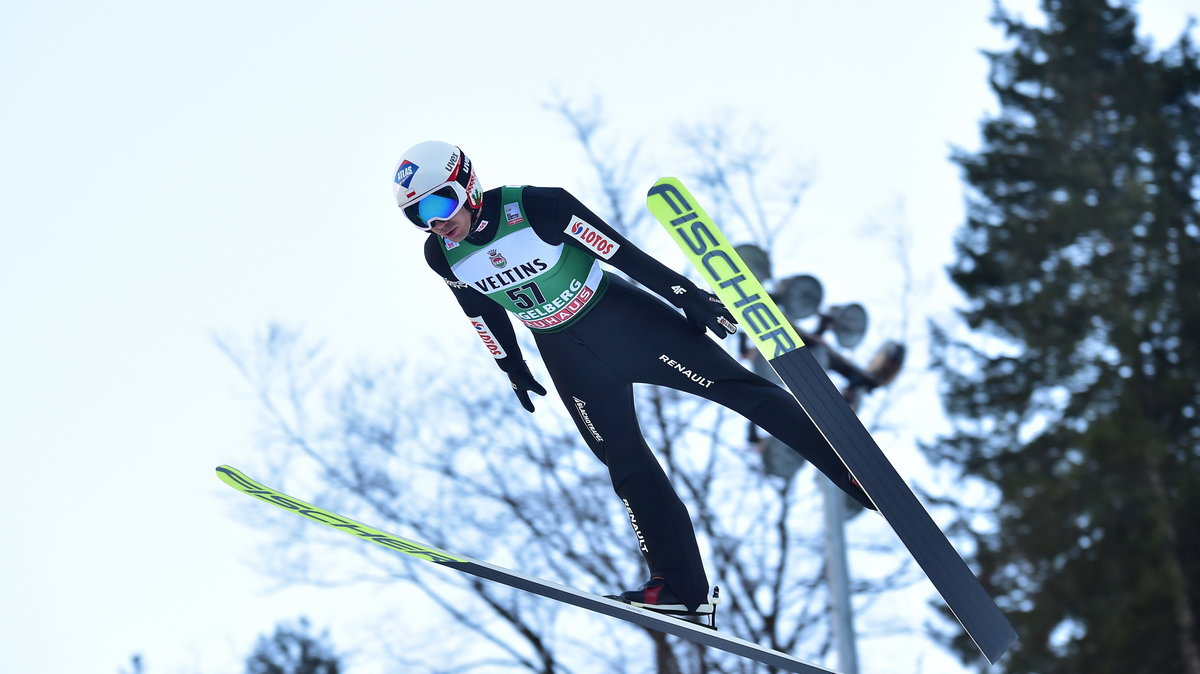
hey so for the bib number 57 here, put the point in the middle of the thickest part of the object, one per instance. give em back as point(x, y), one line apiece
point(526, 296)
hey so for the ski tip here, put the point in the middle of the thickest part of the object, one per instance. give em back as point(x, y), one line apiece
point(238, 480)
point(231, 476)
point(658, 185)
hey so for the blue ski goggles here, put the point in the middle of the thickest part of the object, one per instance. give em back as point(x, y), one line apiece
point(440, 204)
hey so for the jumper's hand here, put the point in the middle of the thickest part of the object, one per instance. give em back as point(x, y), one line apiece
point(522, 383)
point(705, 310)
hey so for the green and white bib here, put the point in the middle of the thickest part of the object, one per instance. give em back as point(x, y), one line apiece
point(547, 286)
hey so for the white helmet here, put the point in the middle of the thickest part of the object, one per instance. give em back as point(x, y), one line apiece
point(433, 181)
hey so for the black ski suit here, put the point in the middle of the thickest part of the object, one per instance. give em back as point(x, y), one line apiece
point(628, 336)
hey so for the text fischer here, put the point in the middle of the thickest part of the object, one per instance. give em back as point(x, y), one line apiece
point(761, 317)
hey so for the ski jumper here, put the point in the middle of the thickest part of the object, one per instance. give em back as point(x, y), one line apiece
point(535, 253)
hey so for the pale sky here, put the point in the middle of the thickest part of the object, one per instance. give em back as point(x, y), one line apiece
point(173, 170)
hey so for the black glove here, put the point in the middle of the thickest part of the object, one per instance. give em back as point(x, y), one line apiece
point(705, 310)
point(522, 383)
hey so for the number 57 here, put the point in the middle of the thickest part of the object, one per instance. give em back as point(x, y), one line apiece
point(526, 296)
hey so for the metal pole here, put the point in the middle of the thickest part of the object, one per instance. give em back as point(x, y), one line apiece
point(839, 577)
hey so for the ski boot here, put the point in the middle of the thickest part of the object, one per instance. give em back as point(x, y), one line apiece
point(657, 596)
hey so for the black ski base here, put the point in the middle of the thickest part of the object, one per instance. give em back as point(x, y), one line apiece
point(959, 587)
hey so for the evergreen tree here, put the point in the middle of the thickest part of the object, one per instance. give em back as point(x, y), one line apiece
point(1077, 395)
point(293, 649)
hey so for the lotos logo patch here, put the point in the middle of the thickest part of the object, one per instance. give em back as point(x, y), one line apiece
point(489, 340)
point(591, 239)
point(404, 174)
